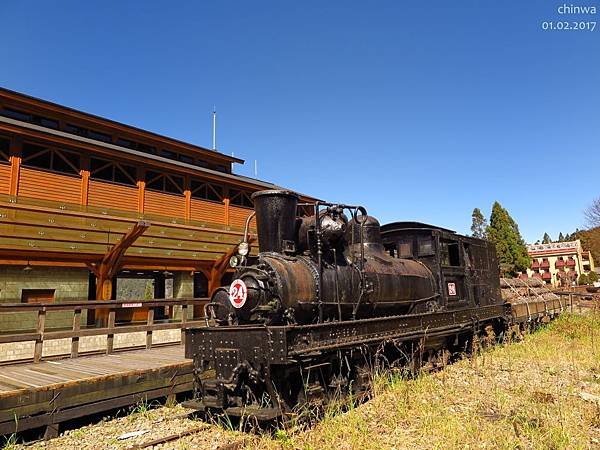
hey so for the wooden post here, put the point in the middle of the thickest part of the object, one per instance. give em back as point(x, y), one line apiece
point(39, 342)
point(183, 322)
point(149, 322)
point(15, 170)
point(571, 302)
point(141, 194)
point(110, 337)
point(226, 202)
point(188, 204)
point(51, 431)
point(76, 328)
point(85, 186)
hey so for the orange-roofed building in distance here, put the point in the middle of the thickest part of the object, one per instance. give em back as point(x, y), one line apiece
point(559, 263)
point(75, 186)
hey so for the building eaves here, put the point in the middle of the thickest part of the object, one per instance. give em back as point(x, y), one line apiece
point(127, 151)
point(198, 148)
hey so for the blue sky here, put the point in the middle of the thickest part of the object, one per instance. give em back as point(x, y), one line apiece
point(418, 110)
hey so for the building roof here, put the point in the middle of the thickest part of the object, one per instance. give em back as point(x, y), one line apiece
point(411, 226)
point(55, 106)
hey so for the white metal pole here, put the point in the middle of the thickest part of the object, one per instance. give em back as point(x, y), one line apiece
point(214, 129)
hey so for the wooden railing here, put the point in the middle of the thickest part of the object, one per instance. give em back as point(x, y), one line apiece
point(40, 334)
point(581, 300)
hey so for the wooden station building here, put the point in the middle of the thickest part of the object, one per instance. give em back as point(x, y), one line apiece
point(85, 201)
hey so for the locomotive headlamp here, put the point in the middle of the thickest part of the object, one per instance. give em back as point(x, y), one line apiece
point(234, 261)
point(243, 248)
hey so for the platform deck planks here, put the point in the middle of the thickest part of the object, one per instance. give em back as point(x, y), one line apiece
point(45, 394)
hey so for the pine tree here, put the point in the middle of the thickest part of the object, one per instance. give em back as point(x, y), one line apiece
point(546, 239)
point(479, 224)
point(561, 237)
point(503, 231)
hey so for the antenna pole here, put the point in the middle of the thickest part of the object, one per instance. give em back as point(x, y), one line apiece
point(256, 168)
point(214, 128)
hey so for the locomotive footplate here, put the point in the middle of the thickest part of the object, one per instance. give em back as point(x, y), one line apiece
point(245, 359)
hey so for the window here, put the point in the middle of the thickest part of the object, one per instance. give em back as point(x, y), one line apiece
point(14, 114)
point(48, 123)
point(163, 182)
point(206, 191)
point(405, 249)
point(37, 295)
point(146, 148)
point(99, 136)
point(240, 198)
point(450, 253)
point(26, 117)
point(74, 129)
point(4, 149)
point(186, 159)
point(49, 158)
point(101, 169)
point(425, 247)
point(126, 143)
point(168, 154)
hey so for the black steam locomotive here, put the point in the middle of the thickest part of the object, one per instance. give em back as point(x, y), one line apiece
point(328, 294)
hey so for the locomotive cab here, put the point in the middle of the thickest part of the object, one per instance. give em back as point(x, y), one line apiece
point(465, 268)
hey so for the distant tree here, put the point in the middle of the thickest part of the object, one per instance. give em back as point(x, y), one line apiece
point(590, 240)
point(561, 237)
point(537, 242)
point(592, 213)
point(478, 225)
point(583, 279)
point(546, 239)
point(503, 231)
point(593, 277)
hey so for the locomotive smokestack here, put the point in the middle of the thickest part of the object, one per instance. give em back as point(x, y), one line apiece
point(275, 218)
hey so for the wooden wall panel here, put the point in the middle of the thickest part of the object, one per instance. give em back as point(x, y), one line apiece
point(112, 195)
point(238, 216)
point(49, 186)
point(4, 178)
point(170, 205)
point(204, 211)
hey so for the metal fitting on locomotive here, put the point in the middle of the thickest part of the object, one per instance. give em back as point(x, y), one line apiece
point(329, 266)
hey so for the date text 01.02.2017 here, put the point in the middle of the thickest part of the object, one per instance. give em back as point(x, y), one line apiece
point(564, 25)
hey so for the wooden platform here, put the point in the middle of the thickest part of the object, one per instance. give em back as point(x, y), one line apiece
point(41, 394)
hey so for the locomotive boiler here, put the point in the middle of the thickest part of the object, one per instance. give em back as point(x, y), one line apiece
point(328, 266)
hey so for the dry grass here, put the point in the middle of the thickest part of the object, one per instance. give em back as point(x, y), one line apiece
point(543, 392)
